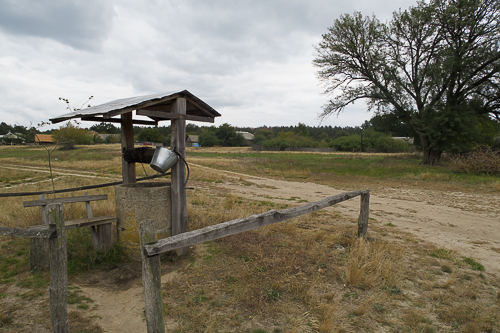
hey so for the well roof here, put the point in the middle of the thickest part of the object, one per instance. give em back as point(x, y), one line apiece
point(156, 106)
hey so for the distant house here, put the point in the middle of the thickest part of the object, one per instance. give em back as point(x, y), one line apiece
point(192, 141)
point(43, 139)
point(111, 138)
point(403, 138)
point(248, 136)
point(11, 138)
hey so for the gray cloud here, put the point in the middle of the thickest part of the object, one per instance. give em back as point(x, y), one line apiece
point(250, 60)
point(81, 24)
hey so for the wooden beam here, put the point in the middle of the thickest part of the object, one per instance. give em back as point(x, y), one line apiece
point(44, 232)
point(178, 175)
point(191, 101)
point(244, 224)
point(127, 128)
point(168, 115)
point(44, 202)
point(118, 121)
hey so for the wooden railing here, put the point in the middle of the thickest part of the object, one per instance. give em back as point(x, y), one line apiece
point(151, 248)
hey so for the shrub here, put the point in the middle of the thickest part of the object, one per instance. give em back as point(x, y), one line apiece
point(208, 139)
point(71, 134)
point(480, 160)
point(150, 135)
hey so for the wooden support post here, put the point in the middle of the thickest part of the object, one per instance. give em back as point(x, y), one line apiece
point(178, 176)
point(364, 214)
point(101, 234)
point(39, 248)
point(151, 279)
point(127, 127)
point(58, 271)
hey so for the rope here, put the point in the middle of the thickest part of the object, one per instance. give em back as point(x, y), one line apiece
point(21, 194)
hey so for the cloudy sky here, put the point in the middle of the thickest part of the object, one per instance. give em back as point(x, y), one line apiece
point(249, 60)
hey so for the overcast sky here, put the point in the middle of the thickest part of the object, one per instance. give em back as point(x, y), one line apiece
point(250, 60)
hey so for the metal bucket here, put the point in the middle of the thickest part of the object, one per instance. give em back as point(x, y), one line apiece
point(163, 159)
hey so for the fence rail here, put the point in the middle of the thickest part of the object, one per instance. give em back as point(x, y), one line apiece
point(151, 248)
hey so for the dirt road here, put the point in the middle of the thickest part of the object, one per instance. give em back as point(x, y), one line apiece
point(467, 223)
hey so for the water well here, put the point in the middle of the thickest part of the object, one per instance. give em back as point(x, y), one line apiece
point(140, 201)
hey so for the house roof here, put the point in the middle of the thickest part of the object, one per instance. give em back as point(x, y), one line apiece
point(156, 107)
point(192, 138)
point(44, 138)
point(248, 136)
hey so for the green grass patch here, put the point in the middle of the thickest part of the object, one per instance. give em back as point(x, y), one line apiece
point(75, 297)
point(442, 254)
point(82, 256)
point(396, 167)
point(474, 264)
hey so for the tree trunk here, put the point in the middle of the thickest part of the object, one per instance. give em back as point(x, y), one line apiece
point(431, 155)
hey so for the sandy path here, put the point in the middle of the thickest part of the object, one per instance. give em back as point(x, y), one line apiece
point(464, 222)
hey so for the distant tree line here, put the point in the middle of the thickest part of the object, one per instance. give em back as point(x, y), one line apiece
point(373, 135)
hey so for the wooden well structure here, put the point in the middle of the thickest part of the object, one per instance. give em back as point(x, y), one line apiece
point(177, 107)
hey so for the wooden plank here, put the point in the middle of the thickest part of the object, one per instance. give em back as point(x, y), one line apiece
point(58, 271)
point(169, 115)
point(364, 214)
point(88, 222)
point(118, 121)
point(151, 280)
point(243, 224)
point(128, 169)
point(43, 232)
point(178, 171)
point(44, 202)
point(39, 247)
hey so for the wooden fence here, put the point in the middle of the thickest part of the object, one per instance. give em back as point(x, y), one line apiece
point(151, 247)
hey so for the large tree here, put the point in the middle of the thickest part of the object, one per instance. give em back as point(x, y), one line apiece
point(434, 67)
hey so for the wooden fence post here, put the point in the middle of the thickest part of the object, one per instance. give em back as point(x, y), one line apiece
point(151, 279)
point(39, 249)
point(58, 271)
point(101, 234)
point(364, 214)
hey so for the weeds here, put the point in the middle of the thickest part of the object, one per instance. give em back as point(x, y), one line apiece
point(481, 160)
point(474, 264)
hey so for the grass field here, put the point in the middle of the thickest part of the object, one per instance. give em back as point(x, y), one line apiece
point(307, 274)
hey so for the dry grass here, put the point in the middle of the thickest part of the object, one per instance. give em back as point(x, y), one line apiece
point(303, 275)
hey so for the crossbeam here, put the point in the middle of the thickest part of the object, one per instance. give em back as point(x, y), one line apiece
point(243, 224)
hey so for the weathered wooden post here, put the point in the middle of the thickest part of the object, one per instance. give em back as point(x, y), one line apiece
point(364, 214)
point(178, 176)
point(151, 279)
point(39, 249)
point(101, 234)
point(127, 128)
point(58, 270)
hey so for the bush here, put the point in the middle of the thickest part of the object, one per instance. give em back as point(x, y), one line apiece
point(480, 160)
point(70, 135)
point(372, 140)
point(227, 136)
point(150, 135)
point(208, 139)
point(290, 139)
